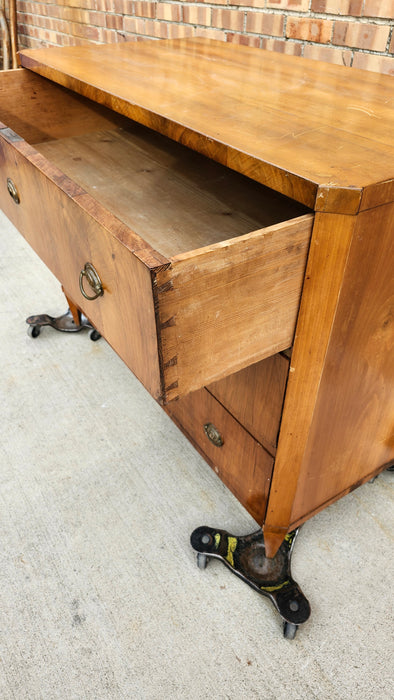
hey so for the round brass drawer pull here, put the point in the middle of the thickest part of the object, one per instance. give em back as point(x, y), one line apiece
point(213, 434)
point(93, 280)
point(12, 189)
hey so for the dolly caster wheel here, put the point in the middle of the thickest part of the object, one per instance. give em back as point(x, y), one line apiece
point(94, 335)
point(33, 331)
point(289, 630)
point(202, 560)
point(245, 557)
point(64, 323)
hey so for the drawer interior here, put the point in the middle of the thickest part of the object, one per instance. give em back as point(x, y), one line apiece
point(174, 198)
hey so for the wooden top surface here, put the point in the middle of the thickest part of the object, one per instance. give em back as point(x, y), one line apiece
point(320, 133)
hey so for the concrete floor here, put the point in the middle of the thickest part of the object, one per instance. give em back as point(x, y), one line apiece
point(100, 593)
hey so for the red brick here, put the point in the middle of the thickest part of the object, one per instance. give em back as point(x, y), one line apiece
point(91, 33)
point(179, 31)
point(211, 33)
point(379, 8)
point(169, 12)
point(197, 15)
point(308, 29)
point(144, 9)
point(134, 25)
point(159, 30)
point(243, 39)
point(379, 64)
point(228, 19)
point(72, 14)
point(338, 7)
point(362, 36)
point(294, 48)
point(252, 3)
point(328, 54)
point(297, 5)
point(97, 18)
point(262, 23)
point(84, 4)
point(127, 7)
point(110, 36)
point(114, 21)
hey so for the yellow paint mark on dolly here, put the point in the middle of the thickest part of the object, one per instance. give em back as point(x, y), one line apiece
point(232, 545)
point(270, 589)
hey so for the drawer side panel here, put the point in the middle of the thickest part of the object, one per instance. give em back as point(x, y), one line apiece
point(38, 110)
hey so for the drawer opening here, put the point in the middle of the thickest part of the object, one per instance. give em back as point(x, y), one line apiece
point(202, 267)
point(175, 199)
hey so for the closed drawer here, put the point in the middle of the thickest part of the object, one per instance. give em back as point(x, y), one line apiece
point(201, 268)
point(239, 460)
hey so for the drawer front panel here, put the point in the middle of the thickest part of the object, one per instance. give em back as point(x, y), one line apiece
point(53, 215)
point(240, 461)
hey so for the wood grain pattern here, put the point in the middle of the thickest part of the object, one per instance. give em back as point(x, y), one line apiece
point(150, 318)
point(67, 229)
point(352, 431)
point(301, 127)
point(254, 396)
point(327, 260)
point(230, 305)
point(39, 110)
point(175, 199)
point(241, 463)
point(338, 422)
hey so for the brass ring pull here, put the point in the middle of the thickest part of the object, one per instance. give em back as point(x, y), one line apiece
point(213, 434)
point(13, 191)
point(93, 280)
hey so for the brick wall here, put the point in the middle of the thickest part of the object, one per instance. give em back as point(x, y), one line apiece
point(356, 33)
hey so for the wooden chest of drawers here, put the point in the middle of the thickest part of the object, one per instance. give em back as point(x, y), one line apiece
point(234, 204)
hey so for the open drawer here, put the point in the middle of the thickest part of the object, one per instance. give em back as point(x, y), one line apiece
point(201, 268)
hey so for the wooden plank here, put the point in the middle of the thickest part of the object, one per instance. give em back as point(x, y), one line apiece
point(352, 431)
point(254, 396)
point(377, 194)
point(230, 305)
point(175, 199)
point(39, 110)
point(332, 235)
point(241, 463)
point(278, 129)
point(67, 228)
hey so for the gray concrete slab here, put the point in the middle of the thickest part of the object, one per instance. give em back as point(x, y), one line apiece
point(100, 593)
